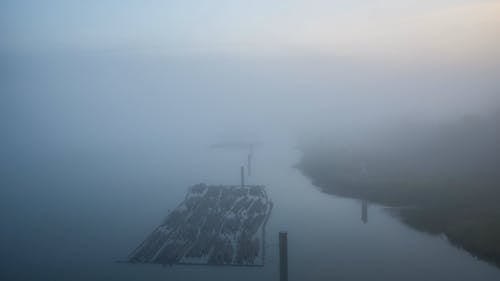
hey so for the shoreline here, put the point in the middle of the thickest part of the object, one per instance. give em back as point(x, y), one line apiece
point(465, 223)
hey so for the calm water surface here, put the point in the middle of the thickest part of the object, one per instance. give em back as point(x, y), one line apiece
point(68, 214)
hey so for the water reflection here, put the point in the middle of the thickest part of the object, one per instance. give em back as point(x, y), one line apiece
point(364, 211)
point(326, 241)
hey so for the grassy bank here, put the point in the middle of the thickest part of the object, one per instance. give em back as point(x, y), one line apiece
point(451, 175)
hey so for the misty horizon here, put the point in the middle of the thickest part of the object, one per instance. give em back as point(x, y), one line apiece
point(140, 134)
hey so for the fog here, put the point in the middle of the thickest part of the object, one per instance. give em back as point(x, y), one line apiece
point(148, 99)
point(106, 123)
point(89, 137)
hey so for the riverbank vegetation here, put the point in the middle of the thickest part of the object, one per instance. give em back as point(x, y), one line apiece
point(449, 175)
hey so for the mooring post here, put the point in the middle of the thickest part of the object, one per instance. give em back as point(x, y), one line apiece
point(283, 256)
point(242, 172)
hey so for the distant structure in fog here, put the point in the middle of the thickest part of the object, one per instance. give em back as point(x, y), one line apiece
point(237, 145)
point(364, 211)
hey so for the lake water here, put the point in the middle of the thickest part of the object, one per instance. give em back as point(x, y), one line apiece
point(69, 214)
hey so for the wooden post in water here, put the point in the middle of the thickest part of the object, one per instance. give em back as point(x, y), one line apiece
point(242, 172)
point(283, 256)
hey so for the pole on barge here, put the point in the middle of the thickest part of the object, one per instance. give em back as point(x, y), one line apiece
point(283, 256)
point(249, 164)
point(249, 160)
point(242, 173)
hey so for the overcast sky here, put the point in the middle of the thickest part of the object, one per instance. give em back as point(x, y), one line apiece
point(381, 29)
point(299, 64)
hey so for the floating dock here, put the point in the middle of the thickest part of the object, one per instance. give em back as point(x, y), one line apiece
point(214, 225)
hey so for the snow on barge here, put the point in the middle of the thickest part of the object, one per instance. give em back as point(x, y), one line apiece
point(214, 225)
